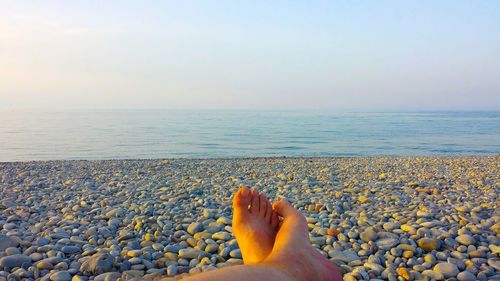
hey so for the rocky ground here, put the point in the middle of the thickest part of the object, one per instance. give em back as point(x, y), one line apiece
point(418, 218)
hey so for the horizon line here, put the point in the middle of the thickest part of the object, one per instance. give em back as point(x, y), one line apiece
point(394, 110)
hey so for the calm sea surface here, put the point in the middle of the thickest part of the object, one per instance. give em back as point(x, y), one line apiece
point(202, 134)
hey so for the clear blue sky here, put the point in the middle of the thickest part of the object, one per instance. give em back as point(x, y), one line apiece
point(375, 55)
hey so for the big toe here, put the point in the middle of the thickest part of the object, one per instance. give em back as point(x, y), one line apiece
point(285, 210)
point(242, 199)
point(293, 220)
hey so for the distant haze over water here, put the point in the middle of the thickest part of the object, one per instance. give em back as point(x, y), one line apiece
point(207, 134)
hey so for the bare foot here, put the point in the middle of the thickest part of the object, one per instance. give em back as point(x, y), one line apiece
point(292, 251)
point(254, 225)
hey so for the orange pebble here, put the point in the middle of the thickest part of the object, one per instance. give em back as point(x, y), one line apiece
point(317, 208)
point(403, 272)
point(332, 232)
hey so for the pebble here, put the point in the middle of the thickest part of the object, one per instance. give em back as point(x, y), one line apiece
point(60, 276)
point(466, 276)
point(408, 228)
point(447, 269)
point(97, 264)
point(191, 253)
point(7, 242)
point(390, 226)
point(495, 249)
point(433, 274)
point(368, 235)
point(345, 256)
point(36, 257)
point(373, 266)
point(403, 272)
point(17, 260)
point(466, 239)
point(428, 244)
point(134, 253)
point(221, 236)
point(71, 250)
point(495, 264)
point(172, 270)
point(236, 253)
point(12, 251)
point(79, 278)
point(130, 274)
point(44, 265)
point(42, 241)
point(211, 248)
point(207, 213)
point(108, 276)
point(195, 227)
point(387, 243)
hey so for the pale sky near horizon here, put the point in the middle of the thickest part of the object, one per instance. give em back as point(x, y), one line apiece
point(374, 55)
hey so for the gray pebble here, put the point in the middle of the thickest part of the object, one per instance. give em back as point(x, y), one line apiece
point(15, 261)
point(466, 276)
point(447, 269)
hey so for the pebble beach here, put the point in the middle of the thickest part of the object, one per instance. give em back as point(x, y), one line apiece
point(411, 218)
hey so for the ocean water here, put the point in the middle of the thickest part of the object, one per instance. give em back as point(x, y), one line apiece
point(207, 134)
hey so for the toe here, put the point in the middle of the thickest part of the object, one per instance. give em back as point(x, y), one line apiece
point(262, 206)
point(269, 212)
point(285, 209)
point(290, 216)
point(255, 204)
point(242, 198)
point(274, 219)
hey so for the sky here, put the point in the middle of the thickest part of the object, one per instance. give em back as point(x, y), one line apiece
point(354, 55)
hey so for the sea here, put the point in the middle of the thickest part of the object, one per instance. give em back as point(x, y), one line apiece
point(157, 134)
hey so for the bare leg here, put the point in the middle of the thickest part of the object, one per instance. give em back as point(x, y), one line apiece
point(260, 272)
point(291, 259)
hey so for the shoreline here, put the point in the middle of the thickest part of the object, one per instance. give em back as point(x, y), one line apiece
point(375, 217)
point(257, 158)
